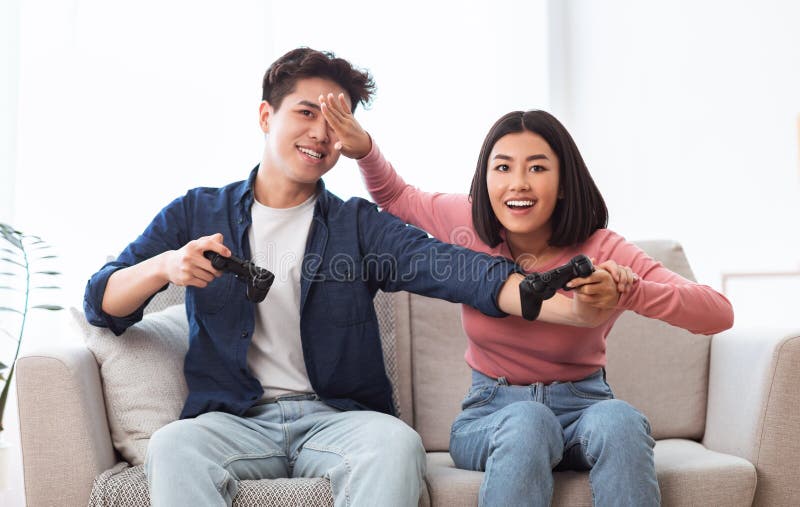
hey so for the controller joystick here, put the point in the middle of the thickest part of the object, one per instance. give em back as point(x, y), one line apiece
point(536, 287)
point(258, 279)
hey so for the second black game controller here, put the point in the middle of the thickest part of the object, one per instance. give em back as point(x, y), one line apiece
point(537, 287)
point(258, 279)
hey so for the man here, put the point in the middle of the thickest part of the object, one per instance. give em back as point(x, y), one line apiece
point(294, 386)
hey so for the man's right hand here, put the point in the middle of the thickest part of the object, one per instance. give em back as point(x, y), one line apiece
point(188, 267)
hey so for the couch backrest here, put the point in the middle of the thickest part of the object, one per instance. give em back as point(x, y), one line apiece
point(660, 369)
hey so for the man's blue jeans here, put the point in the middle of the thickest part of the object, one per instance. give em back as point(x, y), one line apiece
point(519, 434)
point(370, 458)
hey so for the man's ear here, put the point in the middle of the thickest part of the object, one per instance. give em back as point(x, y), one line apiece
point(265, 113)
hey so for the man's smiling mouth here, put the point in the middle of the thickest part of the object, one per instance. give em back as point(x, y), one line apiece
point(311, 153)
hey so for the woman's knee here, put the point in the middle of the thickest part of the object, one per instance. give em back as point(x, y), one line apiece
point(529, 427)
point(617, 417)
point(528, 416)
point(614, 424)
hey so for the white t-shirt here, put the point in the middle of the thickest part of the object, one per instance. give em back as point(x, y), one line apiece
point(278, 241)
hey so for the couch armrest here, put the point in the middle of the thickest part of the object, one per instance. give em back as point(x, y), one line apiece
point(754, 407)
point(63, 426)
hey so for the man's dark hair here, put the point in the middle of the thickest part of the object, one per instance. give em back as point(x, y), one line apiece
point(282, 76)
point(580, 209)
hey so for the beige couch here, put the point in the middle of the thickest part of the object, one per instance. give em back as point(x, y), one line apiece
point(724, 410)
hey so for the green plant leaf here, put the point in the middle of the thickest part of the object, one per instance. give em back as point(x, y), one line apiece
point(48, 307)
point(6, 273)
point(2, 366)
point(15, 338)
point(47, 287)
point(8, 250)
point(47, 272)
point(7, 229)
point(7, 309)
point(46, 257)
point(8, 287)
point(12, 261)
point(14, 240)
point(4, 395)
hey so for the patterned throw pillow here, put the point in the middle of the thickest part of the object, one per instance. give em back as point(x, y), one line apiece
point(142, 375)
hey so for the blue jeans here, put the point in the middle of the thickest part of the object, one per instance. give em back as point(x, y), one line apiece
point(517, 435)
point(370, 458)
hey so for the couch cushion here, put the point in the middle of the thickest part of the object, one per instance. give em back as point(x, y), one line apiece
point(660, 369)
point(127, 486)
point(142, 375)
point(688, 474)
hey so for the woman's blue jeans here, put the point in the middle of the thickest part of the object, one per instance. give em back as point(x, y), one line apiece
point(518, 435)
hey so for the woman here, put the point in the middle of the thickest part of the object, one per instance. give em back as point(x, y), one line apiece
point(539, 399)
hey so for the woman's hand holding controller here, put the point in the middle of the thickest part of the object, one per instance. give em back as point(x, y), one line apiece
point(603, 288)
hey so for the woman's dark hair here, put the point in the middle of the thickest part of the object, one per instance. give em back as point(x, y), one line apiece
point(580, 209)
point(282, 76)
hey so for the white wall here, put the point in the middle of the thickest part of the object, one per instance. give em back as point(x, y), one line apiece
point(9, 62)
point(686, 112)
point(124, 106)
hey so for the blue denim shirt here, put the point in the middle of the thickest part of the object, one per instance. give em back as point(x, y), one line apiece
point(352, 251)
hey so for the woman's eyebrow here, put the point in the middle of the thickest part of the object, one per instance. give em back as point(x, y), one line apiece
point(539, 156)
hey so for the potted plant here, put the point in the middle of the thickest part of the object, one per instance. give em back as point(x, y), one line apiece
point(23, 277)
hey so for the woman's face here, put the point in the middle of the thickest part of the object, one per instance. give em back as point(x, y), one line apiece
point(522, 180)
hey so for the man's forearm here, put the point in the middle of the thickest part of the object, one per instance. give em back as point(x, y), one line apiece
point(557, 310)
point(129, 288)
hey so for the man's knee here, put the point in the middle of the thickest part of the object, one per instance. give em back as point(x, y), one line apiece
point(392, 438)
point(170, 442)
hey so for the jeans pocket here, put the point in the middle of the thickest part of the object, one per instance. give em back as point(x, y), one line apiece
point(594, 388)
point(479, 396)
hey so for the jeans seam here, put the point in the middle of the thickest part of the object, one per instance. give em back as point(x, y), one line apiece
point(238, 457)
point(225, 478)
point(585, 445)
point(482, 402)
point(342, 455)
point(473, 430)
point(482, 491)
point(577, 392)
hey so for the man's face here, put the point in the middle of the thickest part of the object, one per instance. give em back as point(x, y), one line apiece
point(300, 143)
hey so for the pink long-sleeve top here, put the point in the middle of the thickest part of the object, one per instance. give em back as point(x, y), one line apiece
point(527, 352)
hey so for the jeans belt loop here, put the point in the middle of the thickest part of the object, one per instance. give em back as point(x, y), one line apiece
point(502, 381)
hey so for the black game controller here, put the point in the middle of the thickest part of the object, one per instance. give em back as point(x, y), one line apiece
point(537, 287)
point(258, 279)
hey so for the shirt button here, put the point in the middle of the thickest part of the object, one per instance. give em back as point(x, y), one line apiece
point(244, 334)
